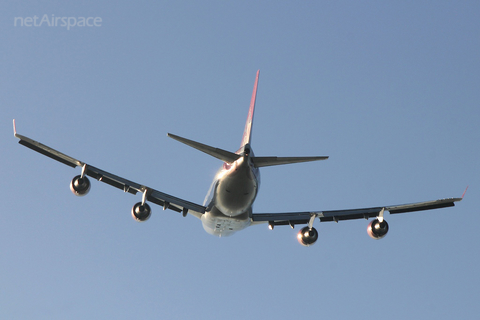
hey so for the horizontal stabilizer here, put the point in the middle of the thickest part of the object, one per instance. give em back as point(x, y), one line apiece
point(275, 161)
point(221, 154)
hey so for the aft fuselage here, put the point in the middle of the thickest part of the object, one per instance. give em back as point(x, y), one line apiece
point(230, 199)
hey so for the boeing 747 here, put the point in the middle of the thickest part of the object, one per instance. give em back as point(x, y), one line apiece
point(228, 205)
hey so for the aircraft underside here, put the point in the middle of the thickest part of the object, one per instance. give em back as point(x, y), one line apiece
point(216, 223)
point(235, 190)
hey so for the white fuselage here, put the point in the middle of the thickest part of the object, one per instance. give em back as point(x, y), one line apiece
point(230, 199)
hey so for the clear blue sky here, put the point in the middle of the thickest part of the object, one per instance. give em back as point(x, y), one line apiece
point(389, 90)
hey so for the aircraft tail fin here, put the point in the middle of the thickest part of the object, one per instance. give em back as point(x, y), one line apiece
point(244, 150)
point(221, 154)
point(247, 133)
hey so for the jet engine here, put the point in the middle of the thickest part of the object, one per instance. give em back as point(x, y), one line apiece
point(80, 185)
point(376, 229)
point(141, 211)
point(307, 236)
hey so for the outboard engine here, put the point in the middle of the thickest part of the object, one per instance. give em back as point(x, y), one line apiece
point(376, 229)
point(80, 186)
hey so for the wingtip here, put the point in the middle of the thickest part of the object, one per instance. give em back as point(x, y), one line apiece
point(465, 192)
point(14, 128)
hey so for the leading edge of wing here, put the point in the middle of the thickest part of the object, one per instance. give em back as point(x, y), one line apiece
point(338, 215)
point(163, 199)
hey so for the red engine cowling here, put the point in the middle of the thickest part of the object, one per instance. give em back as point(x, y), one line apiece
point(376, 229)
point(307, 236)
point(80, 186)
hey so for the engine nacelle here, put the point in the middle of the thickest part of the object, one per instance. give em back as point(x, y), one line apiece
point(141, 212)
point(307, 236)
point(376, 229)
point(80, 186)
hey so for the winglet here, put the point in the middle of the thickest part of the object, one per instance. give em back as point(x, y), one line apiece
point(14, 128)
point(464, 192)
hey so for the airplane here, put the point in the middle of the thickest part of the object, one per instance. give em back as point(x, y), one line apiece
point(228, 205)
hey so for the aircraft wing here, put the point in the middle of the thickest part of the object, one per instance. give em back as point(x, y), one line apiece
point(165, 200)
point(293, 218)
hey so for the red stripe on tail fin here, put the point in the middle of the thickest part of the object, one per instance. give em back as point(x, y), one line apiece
point(247, 133)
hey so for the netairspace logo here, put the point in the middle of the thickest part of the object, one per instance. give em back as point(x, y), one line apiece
point(68, 22)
